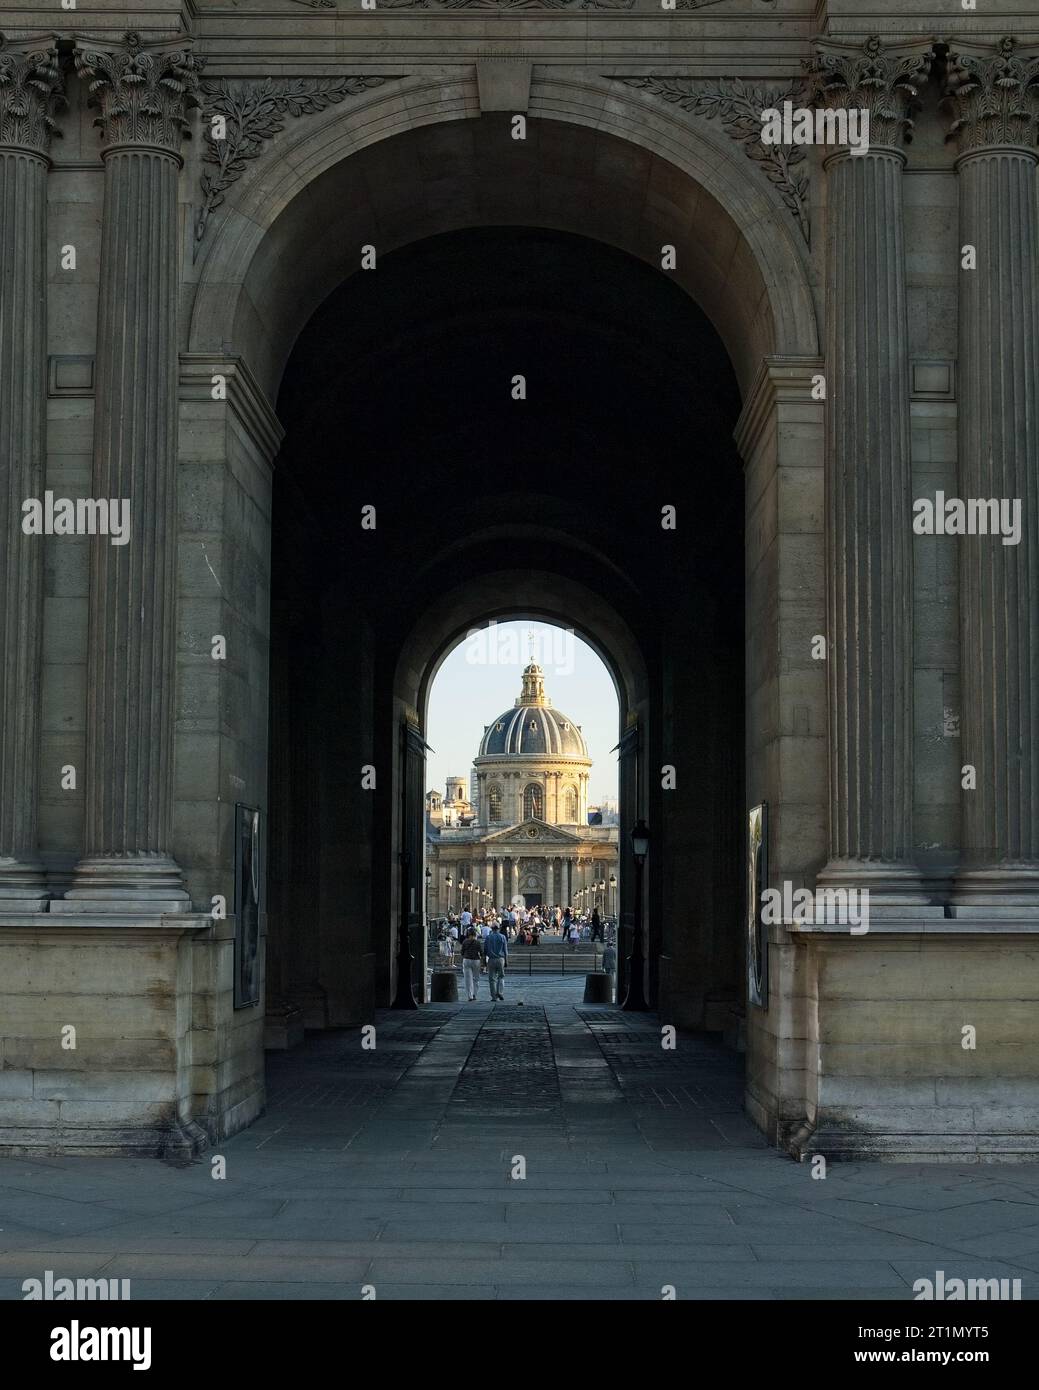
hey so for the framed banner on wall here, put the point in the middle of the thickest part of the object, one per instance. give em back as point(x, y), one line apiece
point(247, 907)
point(757, 882)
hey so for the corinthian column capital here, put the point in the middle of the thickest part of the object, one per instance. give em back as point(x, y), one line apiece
point(31, 89)
point(143, 93)
point(881, 79)
point(992, 98)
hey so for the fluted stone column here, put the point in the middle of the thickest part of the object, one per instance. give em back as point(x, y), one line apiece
point(550, 886)
point(869, 564)
point(995, 106)
point(142, 95)
point(515, 877)
point(30, 88)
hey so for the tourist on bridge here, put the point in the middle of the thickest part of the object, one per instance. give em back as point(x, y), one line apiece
point(496, 949)
point(473, 960)
point(596, 925)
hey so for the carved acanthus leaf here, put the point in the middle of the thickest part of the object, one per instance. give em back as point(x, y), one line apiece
point(143, 93)
point(739, 107)
point(254, 112)
point(994, 100)
point(885, 82)
point(30, 90)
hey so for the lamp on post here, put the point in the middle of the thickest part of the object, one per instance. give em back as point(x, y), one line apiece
point(450, 884)
point(429, 885)
point(612, 901)
point(635, 999)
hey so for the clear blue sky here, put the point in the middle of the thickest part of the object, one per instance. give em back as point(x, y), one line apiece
point(482, 677)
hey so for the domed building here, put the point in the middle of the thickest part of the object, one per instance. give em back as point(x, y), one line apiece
point(527, 835)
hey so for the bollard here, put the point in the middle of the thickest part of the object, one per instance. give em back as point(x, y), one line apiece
point(444, 987)
point(598, 987)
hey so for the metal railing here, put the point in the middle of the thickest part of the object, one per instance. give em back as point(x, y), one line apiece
point(537, 960)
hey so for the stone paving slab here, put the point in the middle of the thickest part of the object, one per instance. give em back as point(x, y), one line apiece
point(393, 1168)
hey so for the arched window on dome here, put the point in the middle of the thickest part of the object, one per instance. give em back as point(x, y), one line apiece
point(533, 803)
point(569, 805)
point(494, 804)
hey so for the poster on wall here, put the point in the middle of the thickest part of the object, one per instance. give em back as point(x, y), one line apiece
point(247, 907)
point(757, 882)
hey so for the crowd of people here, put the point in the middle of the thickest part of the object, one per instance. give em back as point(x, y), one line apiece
point(483, 938)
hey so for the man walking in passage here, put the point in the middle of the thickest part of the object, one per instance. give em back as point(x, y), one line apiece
point(472, 962)
point(609, 964)
point(496, 948)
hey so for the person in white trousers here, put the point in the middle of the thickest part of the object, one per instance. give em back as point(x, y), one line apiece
point(472, 961)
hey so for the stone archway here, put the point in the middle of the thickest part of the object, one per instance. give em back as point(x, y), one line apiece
point(151, 678)
point(633, 179)
point(550, 597)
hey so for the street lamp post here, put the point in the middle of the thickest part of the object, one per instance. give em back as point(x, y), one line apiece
point(450, 884)
point(429, 885)
point(635, 999)
point(611, 902)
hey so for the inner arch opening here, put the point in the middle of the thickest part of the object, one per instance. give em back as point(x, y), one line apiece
point(419, 494)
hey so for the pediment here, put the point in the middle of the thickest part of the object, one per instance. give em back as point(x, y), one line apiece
point(532, 832)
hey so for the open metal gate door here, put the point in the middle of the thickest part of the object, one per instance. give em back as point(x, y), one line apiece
point(411, 935)
point(628, 801)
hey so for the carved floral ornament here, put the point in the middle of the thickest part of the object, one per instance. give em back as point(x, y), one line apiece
point(253, 113)
point(883, 81)
point(31, 90)
point(739, 108)
point(993, 100)
point(143, 93)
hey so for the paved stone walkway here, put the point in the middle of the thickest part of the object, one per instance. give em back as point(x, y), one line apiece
point(394, 1168)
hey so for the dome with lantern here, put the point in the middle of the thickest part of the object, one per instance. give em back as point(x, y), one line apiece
point(533, 728)
point(533, 762)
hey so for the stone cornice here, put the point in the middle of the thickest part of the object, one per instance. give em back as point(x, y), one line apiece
point(245, 396)
point(31, 89)
point(780, 381)
point(84, 928)
point(143, 92)
point(877, 77)
point(532, 8)
point(992, 98)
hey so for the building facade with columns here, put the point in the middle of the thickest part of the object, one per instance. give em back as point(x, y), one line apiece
point(529, 840)
point(225, 235)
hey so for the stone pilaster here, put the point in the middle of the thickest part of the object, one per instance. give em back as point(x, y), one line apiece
point(869, 567)
point(142, 94)
point(30, 89)
point(994, 102)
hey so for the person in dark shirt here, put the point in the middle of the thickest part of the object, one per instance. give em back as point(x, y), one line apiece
point(473, 959)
